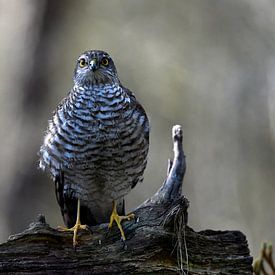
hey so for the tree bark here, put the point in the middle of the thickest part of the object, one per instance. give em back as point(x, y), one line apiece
point(158, 241)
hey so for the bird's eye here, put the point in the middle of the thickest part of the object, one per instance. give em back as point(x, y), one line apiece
point(105, 61)
point(82, 63)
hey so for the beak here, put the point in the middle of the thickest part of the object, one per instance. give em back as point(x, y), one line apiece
point(93, 64)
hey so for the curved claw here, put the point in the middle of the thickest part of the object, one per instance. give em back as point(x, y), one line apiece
point(118, 219)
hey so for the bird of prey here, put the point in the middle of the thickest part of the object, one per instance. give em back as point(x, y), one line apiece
point(96, 145)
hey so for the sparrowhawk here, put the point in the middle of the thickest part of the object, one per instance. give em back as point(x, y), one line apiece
point(96, 145)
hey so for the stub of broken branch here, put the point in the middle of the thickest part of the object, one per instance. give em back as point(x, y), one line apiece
point(172, 186)
point(159, 241)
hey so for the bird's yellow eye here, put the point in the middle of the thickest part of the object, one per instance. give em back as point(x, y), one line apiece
point(105, 61)
point(82, 63)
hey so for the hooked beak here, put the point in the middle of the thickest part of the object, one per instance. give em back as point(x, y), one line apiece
point(93, 65)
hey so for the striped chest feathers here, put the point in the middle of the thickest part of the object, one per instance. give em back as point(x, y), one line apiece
point(91, 125)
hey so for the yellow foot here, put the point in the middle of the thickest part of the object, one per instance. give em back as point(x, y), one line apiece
point(76, 227)
point(118, 219)
point(73, 229)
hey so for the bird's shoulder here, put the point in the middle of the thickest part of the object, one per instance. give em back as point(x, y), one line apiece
point(135, 102)
point(63, 103)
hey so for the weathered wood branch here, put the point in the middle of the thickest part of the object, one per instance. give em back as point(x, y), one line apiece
point(159, 241)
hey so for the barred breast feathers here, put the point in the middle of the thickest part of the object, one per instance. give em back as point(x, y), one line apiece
point(86, 114)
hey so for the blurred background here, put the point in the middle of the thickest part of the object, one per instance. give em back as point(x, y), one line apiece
point(208, 65)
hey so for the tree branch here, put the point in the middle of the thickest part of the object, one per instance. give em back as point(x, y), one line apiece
point(159, 241)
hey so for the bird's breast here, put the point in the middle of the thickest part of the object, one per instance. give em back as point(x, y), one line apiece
point(98, 140)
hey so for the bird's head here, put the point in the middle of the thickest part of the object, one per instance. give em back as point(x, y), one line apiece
point(95, 68)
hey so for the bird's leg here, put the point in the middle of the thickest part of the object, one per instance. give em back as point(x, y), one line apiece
point(77, 225)
point(118, 219)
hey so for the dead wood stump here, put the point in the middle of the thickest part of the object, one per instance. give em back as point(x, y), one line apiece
point(158, 242)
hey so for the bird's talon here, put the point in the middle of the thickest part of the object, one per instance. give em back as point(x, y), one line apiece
point(62, 228)
point(76, 227)
point(83, 226)
point(130, 216)
point(118, 219)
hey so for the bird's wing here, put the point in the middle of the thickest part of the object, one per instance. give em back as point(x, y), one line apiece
point(146, 126)
point(68, 206)
point(140, 109)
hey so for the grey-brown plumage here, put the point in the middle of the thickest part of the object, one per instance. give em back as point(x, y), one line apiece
point(96, 144)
